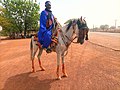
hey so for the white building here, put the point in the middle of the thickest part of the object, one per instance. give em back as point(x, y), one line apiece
point(0, 28)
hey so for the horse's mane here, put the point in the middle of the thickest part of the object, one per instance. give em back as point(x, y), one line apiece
point(81, 23)
point(69, 25)
point(57, 23)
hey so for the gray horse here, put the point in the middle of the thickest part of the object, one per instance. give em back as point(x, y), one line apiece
point(66, 35)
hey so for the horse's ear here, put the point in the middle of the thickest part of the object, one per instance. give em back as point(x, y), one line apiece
point(74, 21)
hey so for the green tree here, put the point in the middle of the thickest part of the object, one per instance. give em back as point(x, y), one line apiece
point(112, 27)
point(22, 13)
point(7, 26)
point(104, 27)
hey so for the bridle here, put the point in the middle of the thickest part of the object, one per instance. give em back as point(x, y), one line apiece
point(74, 28)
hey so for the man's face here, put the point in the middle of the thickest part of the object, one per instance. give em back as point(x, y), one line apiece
point(48, 5)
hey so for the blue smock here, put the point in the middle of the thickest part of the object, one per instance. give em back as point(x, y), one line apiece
point(44, 34)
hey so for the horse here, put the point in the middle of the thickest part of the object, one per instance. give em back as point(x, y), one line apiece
point(65, 38)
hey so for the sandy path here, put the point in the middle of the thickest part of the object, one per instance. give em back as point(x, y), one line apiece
point(91, 66)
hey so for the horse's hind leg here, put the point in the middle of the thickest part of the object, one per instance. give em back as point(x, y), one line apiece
point(33, 68)
point(63, 67)
point(42, 68)
point(58, 64)
point(40, 64)
point(33, 52)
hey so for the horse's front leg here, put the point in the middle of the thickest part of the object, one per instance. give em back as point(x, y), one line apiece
point(86, 38)
point(63, 67)
point(58, 64)
point(39, 55)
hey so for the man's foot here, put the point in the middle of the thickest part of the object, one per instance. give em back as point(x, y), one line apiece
point(48, 50)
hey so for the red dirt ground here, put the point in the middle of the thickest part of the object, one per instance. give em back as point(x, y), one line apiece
point(95, 65)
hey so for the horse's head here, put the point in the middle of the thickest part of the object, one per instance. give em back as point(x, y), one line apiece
point(78, 27)
point(82, 31)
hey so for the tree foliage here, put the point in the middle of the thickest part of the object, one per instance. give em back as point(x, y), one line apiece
point(103, 27)
point(23, 14)
point(7, 25)
point(112, 27)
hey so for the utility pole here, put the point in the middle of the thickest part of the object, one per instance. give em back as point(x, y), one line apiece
point(115, 23)
point(93, 27)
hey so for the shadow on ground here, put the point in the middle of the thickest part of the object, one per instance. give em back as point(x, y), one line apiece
point(25, 82)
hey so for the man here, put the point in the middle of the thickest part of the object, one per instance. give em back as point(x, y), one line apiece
point(46, 26)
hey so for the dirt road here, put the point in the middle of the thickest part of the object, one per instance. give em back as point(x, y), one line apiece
point(95, 65)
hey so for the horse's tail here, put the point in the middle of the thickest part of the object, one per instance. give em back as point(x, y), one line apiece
point(31, 48)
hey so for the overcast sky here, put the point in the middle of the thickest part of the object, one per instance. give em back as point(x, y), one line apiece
point(97, 12)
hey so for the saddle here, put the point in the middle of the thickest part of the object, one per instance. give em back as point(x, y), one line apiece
point(52, 46)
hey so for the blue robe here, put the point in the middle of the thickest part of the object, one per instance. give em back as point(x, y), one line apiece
point(44, 34)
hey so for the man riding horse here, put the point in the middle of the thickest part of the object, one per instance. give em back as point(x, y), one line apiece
point(65, 38)
point(46, 28)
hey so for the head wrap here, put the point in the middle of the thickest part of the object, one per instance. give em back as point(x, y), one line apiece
point(47, 3)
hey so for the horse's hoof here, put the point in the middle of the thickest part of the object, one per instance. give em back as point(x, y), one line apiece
point(58, 78)
point(65, 75)
point(33, 71)
point(86, 39)
point(42, 69)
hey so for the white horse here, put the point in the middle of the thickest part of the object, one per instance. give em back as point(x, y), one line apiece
point(66, 35)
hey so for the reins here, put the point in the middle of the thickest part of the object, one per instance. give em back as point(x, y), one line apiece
point(70, 39)
point(65, 36)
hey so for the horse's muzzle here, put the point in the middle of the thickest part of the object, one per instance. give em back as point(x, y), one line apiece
point(82, 41)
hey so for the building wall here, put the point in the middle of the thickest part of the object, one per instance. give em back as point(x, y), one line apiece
point(0, 28)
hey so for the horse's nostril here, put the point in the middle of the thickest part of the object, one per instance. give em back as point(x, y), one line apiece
point(81, 42)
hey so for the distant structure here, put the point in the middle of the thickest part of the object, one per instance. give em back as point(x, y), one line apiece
point(115, 23)
point(118, 27)
point(0, 28)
